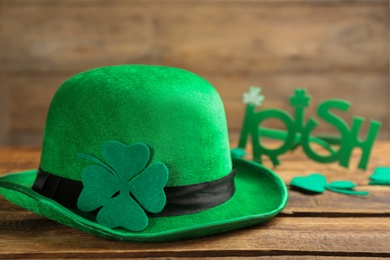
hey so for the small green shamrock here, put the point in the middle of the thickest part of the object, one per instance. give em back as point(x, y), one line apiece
point(317, 183)
point(300, 98)
point(381, 176)
point(237, 152)
point(253, 96)
point(123, 188)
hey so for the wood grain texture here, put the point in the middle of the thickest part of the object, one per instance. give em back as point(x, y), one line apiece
point(326, 226)
point(208, 36)
point(336, 49)
point(29, 98)
point(4, 131)
point(288, 257)
point(280, 236)
point(330, 204)
point(3, 114)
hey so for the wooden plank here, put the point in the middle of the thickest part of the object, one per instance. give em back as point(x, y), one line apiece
point(334, 204)
point(31, 236)
point(3, 104)
point(238, 257)
point(55, 37)
point(288, 257)
point(268, 2)
point(254, 38)
point(230, 43)
point(24, 138)
point(3, 114)
point(28, 101)
point(18, 159)
point(325, 226)
point(214, 36)
point(29, 98)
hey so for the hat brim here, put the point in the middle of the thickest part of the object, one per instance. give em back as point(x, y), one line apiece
point(260, 195)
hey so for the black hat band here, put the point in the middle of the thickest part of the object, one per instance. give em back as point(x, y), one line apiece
point(180, 200)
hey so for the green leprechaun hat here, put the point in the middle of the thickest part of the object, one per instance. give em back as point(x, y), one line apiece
point(141, 153)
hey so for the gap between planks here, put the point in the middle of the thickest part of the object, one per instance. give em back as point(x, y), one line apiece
point(280, 236)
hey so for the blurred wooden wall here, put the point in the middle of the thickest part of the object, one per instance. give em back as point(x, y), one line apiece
point(334, 48)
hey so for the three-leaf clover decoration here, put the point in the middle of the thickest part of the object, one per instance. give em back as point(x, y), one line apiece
point(123, 187)
point(317, 183)
point(253, 96)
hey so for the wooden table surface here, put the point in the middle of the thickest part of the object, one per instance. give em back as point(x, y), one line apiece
point(325, 226)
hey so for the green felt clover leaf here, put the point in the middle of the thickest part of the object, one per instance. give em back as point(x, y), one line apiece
point(313, 183)
point(342, 185)
point(317, 183)
point(345, 187)
point(381, 176)
point(122, 187)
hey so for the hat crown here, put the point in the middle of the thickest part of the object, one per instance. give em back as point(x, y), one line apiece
point(179, 115)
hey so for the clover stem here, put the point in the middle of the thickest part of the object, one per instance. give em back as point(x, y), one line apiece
point(96, 160)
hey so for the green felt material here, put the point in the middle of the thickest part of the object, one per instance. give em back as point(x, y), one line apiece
point(317, 183)
point(342, 185)
point(347, 191)
point(260, 195)
point(381, 176)
point(161, 120)
point(148, 187)
point(345, 187)
point(162, 107)
point(314, 182)
point(108, 186)
point(238, 152)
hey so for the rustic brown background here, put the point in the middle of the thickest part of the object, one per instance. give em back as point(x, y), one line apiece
point(334, 48)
